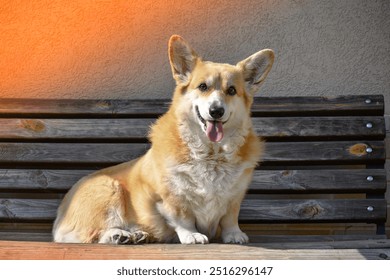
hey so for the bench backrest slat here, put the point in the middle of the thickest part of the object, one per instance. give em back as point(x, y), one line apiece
point(363, 105)
point(264, 181)
point(99, 154)
point(136, 130)
point(252, 210)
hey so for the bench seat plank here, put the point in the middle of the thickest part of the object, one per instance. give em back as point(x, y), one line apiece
point(348, 250)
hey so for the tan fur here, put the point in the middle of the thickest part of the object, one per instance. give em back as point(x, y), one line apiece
point(185, 188)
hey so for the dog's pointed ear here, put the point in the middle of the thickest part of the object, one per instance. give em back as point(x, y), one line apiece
point(182, 58)
point(256, 68)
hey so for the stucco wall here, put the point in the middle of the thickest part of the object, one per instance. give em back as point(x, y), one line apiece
point(115, 49)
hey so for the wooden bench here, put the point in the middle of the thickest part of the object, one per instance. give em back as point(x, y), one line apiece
point(323, 168)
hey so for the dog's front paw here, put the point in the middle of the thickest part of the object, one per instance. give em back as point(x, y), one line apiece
point(123, 237)
point(235, 237)
point(194, 238)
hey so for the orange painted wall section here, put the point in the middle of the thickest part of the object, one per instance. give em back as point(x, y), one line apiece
point(52, 47)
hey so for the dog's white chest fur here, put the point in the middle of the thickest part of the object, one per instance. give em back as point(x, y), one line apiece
point(207, 183)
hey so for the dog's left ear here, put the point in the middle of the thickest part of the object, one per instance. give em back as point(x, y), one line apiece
point(182, 58)
point(256, 68)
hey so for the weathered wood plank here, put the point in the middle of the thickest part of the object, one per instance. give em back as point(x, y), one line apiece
point(99, 154)
point(264, 181)
point(26, 236)
point(337, 240)
point(346, 244)
point(341, 105)
point(322, 128)
point(313, 210)
point(319, 106)
point(83, 107)
point(40, 180)
point(370, 127)
point(75, 129)
point(340, 152)
point(318, 181)
point(68, 153)
point(39, 210)
point(274, 241)
point(252, 210)
point(57, 251)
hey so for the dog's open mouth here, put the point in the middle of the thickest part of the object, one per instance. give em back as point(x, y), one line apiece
point(214, 129)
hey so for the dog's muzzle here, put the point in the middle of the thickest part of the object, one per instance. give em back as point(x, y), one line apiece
point(213, 128)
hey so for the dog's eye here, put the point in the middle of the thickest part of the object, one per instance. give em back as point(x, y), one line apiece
point(202, 87)
point(231, 91)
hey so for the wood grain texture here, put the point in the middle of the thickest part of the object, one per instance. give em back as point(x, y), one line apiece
point(264, 181)
point(100, 154)
point(285, 106)
point(83, 107)
point(37, 210)
point(137, 129)
point(312, 210)
point(318, 181)
point(276, 241)
point(323, 152)
point(321, 128)
point(75, 129)
point(40, 180)
point(363, 250)
point(252, 210)
point(70, 154)
point(319, 106)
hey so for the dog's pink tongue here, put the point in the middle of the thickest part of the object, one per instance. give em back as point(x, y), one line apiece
point(214, 131)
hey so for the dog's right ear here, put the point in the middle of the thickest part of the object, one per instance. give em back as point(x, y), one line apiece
point(256, 68)
point(182, 58)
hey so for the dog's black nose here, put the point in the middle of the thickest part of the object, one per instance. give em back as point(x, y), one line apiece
point(216, 112)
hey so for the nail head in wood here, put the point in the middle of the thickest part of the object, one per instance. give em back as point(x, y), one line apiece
point(370, 178)
point(369, 125)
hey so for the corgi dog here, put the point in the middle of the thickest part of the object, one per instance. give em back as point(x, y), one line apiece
point(189, 185)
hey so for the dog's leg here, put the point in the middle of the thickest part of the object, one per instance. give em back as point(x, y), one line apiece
point(231, 232)
point(188, 234)
point(183, 226)
point(66, 236)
